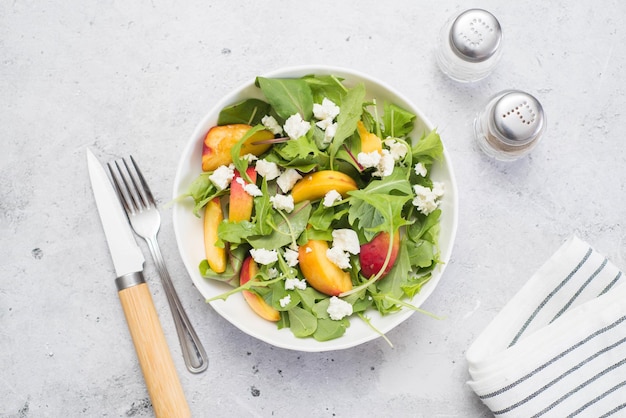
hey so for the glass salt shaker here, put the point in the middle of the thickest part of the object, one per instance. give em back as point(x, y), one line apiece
point(470, 45)
point(510, 125)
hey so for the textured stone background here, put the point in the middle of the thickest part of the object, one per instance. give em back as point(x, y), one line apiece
point(135, 77)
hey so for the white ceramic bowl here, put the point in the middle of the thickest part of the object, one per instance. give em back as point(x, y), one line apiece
point(189, 229)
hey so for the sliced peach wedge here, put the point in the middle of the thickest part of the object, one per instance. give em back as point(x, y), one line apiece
point(220, 139)
point(240, 202)
point(213, 217)
point(249, 269)
point(374, 253)
point(321, 273)
point(315, 185)
point(369, 142)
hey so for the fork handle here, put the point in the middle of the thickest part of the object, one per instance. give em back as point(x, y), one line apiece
point(193, 351)
point(157, 366)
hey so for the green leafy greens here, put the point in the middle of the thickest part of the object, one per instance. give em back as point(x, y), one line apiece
point(383, 203)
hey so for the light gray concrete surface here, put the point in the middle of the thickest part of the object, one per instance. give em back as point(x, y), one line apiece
point(136, 77)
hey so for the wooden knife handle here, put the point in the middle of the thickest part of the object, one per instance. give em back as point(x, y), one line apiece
point(166, 392)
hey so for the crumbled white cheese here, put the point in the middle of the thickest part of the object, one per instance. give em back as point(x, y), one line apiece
point(327, 110)
point(282, 202)
point(346, 240)
point(287, 180)
point(272, 125)
point(368, 159)
point(324, 123)
point(295, 127)
point(386, 165)
point(338, 257)
point(263, 256)
point(397, 149)
point(272, 272)
point(338, 308)
point(253, 190)
point(267, 169)
point(291, 284)
point(329, 133)
point(250, 157)
point(222, 176)
point(331, 198)
point(291, 257)
point(284, 301)
point(426, 200)
point(420, 170)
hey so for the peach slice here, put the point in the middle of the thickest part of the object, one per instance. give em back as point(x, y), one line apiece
point(373, 254)
point(220, 139)
point(249, 269)
point(315, 185)
point(321, 273)
point(213, 217)
point(369, 142)
point(240, 202)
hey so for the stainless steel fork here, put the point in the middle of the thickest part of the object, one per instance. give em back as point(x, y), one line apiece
point(145, 219)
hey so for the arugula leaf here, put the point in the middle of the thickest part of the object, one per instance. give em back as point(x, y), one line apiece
point(286, 229)
point(428, 149)
point(301, 148)
point(326, 86)
point(329, 329)
point(302, 323)
point(414, 284)
point(249, 112)
point(288, 96)
point(397, 122)
point(351, 110)
point(202, 190)
point(236, 232)
point(231, 274)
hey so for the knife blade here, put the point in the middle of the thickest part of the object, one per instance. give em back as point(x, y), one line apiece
point(157, 366)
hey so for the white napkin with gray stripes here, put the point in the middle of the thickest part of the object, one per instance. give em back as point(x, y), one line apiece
point(558, 348)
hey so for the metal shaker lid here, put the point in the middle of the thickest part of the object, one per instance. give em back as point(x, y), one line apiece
point(518, 117)
point(475, 35)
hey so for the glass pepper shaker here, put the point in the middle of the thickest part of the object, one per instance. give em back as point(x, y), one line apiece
point(510, 125)
point(470, 45)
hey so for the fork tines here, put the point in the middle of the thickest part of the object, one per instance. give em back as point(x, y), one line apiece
point(131, 186)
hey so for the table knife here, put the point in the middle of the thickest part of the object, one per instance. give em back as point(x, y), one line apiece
point(157, 366)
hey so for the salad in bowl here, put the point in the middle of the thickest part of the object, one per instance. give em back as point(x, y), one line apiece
point(315, 208)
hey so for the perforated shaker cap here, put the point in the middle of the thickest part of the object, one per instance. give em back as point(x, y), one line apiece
point(518, 117)
point(475, 35)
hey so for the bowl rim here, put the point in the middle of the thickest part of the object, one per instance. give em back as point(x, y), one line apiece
point(195, 141)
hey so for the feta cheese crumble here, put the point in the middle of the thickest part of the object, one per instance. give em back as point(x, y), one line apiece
point(291, 284)
point(338, 257)
point(222, 176)
point(285, 301)
point(267, 169)
point(326, 110)
point(329, 133)
point(368, 159)
point(338, 309)
point(291, 257)
point(288, 179)
point(386, 165)
point(427, 200)
point(272, 125)
point(420, 170)
point(253, 190)
point(332, 197)
point(263, 256)
point(346, 240)
point(272, 272)
point(282, 202)
point(397, 149)
point(295, 127)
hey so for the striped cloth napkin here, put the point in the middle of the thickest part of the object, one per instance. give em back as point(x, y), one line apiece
point(558, 348)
